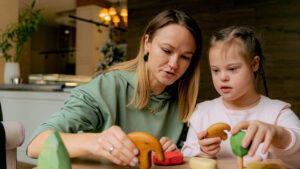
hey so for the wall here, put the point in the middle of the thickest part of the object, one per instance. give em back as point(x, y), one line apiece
point(276, 22)
point(9, 11)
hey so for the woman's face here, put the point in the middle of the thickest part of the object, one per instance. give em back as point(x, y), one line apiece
point(170, 54)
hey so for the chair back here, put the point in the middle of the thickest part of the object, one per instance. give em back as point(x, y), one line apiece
point(1, 116)
point(2, 146)
point(12, 136)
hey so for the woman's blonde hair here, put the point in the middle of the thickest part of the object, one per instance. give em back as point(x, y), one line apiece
point(187, 85)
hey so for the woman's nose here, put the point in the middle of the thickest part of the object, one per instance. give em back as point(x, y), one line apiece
point(173, 62)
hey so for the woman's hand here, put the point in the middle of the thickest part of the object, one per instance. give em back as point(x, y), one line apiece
point(114, 145)
point(168, 144)
point(258, 132)
point(209, 146)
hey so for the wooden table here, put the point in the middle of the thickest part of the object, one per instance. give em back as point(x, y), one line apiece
point(93, 163)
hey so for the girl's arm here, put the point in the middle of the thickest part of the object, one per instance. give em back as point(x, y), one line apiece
point(281, 139)
point(289, 122)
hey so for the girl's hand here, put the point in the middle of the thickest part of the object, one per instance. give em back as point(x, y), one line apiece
point(114, 145)
point(259, 132)
point(209, 146)
point(168, 144)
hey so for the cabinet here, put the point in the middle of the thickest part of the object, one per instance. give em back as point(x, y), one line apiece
point(31, 108)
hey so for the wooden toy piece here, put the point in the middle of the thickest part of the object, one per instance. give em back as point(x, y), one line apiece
point(237, 148)
point(202, 163)
point(146, 143)
point(217, 130)
point(262, 165)
point(171, 158)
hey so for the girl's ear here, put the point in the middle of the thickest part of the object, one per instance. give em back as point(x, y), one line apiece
point(255, 63)
point(147, 43)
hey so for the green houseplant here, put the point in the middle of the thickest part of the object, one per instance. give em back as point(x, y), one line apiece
point(17, 34)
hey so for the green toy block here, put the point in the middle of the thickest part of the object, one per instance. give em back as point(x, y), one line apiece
point(54, 154)
point(236, 144)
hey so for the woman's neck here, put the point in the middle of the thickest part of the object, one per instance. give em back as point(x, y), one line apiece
point(157, 89)
point(242, 103)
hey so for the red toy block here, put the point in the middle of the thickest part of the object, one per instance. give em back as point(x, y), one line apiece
point(171, 158)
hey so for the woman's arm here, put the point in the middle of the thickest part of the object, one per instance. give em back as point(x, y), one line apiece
point(76, 144)
point(98, 144)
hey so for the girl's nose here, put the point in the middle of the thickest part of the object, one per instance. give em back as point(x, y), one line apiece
point(173, 62)
point(224, 76)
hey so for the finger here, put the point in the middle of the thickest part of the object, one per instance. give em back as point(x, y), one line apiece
point(210, 141)
point(214, 152)
point(172, 148)
point(202, 135)
point(167, 145)
point(267, 142)
point(102, 150)
point(251, 132)
point(212, 147)
point(163, 140)
point(259, 137)
point(122, 136)
point(112, 158)
point(121, 151)
point(240, 126)
point(116, 152)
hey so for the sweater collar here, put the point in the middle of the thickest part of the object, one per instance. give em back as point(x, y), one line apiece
point(166, 94)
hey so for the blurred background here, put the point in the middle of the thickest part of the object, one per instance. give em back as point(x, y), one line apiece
point(80, 38)
point(64, 45)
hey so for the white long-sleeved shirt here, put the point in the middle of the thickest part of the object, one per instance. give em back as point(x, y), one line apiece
point(269, 111)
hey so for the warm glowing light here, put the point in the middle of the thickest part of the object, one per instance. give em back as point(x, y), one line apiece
point(124, 12)
point(110, 14)
point(116, 20)
point(103, 13)
point(107, 19)
point(112, 11)
point(71, 84)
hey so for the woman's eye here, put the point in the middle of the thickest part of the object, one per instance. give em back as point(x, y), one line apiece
point(166, 51)
point(186, 57)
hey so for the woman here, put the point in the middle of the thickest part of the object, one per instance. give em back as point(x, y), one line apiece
point(155, 92)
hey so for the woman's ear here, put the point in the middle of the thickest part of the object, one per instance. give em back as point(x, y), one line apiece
point(147, 43)
point(255, 63)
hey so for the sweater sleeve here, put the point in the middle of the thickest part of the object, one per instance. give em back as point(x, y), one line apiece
point(87, 109)
point(290, 155)
point(191, 146)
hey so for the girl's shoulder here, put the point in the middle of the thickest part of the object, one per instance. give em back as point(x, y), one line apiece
point(209, 103)
point(274, 103)
point(207, 110)
point(206, 106)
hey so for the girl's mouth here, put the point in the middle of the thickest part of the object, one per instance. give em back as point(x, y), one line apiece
point(226, 89)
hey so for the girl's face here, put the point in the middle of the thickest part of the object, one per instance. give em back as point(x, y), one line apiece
point(170, 54)
point(231, 73)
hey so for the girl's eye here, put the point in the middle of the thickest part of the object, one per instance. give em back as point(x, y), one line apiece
point(232, 69)
point(215, 70)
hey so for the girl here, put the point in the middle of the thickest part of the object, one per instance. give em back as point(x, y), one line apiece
point(236, 62)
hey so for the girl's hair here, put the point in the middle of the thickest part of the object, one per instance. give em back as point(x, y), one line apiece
point(250, 47)
point(187, 85)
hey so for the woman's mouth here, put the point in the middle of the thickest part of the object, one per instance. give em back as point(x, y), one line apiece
point(226, 89)
point(170, 74)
